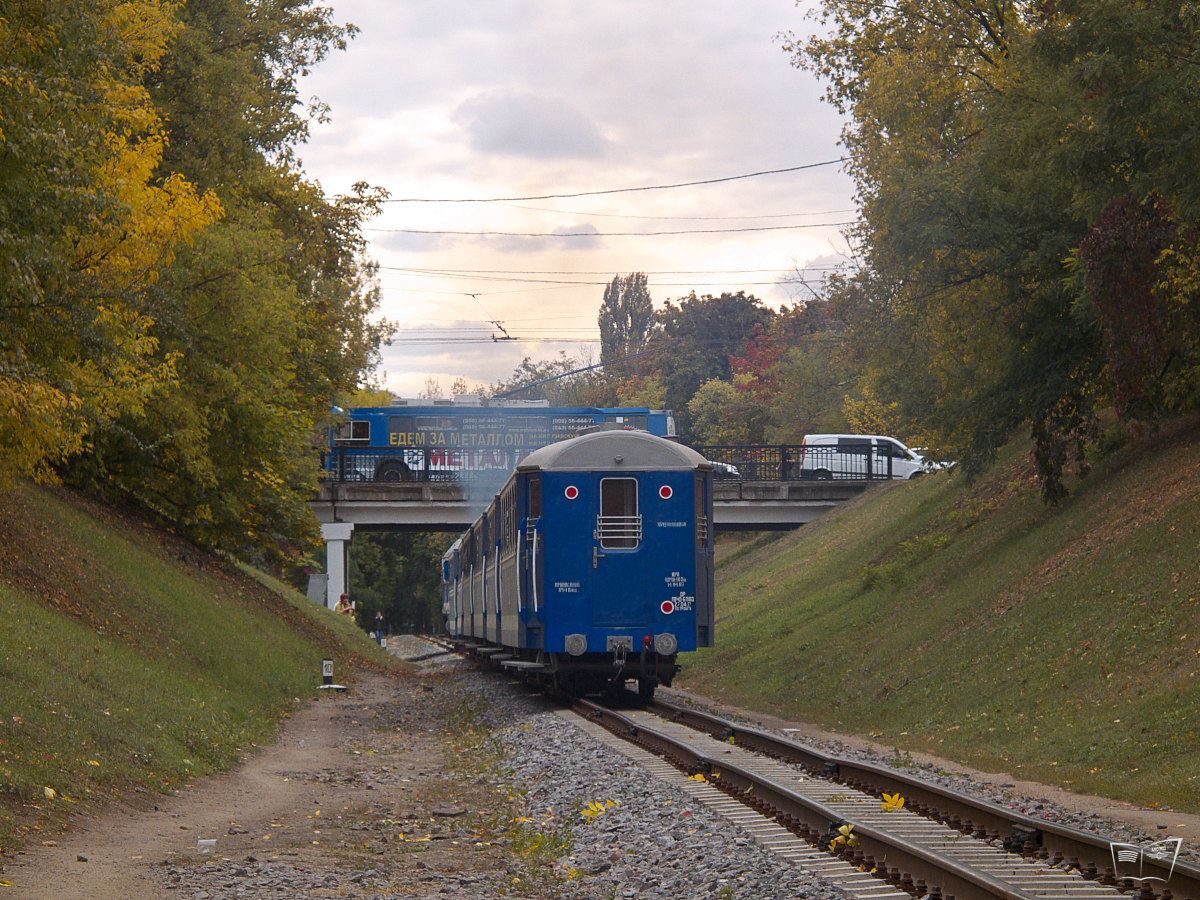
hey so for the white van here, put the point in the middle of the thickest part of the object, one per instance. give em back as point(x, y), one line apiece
point(859, 456)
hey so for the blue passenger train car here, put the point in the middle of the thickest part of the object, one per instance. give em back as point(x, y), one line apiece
point(593, 565)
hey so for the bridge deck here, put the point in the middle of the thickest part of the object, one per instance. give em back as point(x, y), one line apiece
point(450, 506)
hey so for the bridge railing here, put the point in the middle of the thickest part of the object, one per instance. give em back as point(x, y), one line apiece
point(420, 464)
point(796, 462)
point(749, 462)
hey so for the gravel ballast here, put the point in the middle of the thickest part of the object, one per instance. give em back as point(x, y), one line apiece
point(652, 842)
point(1001, 793)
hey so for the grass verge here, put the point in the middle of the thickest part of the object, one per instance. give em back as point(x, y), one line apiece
point(1060, 644)
point(130, 661)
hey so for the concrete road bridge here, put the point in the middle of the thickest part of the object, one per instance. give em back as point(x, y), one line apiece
point(759, 488)
point(450, 506)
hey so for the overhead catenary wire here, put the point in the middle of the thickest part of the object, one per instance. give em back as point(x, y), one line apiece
point(600, 215)
point(446, 270)
point(517, 339)
point(596, 234)
point(623, 190)
point(692, 284)
point(489, 340)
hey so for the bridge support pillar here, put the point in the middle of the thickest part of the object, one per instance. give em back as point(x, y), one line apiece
point(337, 544)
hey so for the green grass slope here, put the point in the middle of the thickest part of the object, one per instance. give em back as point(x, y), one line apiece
point(1055, 643)
point(130, 660)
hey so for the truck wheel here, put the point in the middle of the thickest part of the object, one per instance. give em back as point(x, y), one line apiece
point(393, 470)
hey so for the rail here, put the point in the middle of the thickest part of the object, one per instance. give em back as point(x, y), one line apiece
point(1090, 854)
point(808, 817)
point(1056, 850)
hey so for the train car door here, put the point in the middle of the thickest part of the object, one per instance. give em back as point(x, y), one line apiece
point(531, 556)
point(705, 605)
point(617, 561)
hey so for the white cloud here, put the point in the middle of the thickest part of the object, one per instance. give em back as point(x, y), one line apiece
point(535, 126)
point(467, 99)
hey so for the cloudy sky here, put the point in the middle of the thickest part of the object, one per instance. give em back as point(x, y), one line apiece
point(462, 99)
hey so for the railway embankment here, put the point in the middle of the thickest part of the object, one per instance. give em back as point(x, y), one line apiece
point(132, 663)
point(969, 621)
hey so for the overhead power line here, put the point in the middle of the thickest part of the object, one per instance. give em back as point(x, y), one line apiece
point(691, 284)
point(594, 234)
point(436, 271)
point(436, 341)
point(409, 290)
point(600, 215)
point(483, 340)
point(519, 280)
point(560, 375)
point(625, 190)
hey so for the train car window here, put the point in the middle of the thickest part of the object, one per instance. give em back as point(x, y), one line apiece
point(619, 525)
point(502, 519)
point(357, 431)
point(535, 498)
point(510, 530)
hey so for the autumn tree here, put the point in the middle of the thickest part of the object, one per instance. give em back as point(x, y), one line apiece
point(626, 318)
point(89, 217)
point(1026, 177)
point(267, 315)
point(792, 374)
point(697, 337)
point(723, 412)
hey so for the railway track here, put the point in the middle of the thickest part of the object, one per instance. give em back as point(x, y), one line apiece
point(1059, 845)
point(943, 844)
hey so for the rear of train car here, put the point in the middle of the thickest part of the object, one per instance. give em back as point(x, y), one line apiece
point(593, 565)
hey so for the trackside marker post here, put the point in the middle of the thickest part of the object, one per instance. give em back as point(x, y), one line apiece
point(327, 677)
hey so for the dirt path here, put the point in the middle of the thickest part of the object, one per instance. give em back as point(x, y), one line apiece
point(352, 800)
point(362, 795)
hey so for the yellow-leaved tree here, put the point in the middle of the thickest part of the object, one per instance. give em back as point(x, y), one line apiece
point(86, 221)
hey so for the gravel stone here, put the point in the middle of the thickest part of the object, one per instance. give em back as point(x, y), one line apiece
point(653, 842)
point(1001, 794)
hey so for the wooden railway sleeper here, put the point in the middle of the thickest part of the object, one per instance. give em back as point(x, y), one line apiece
point(953, 876)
